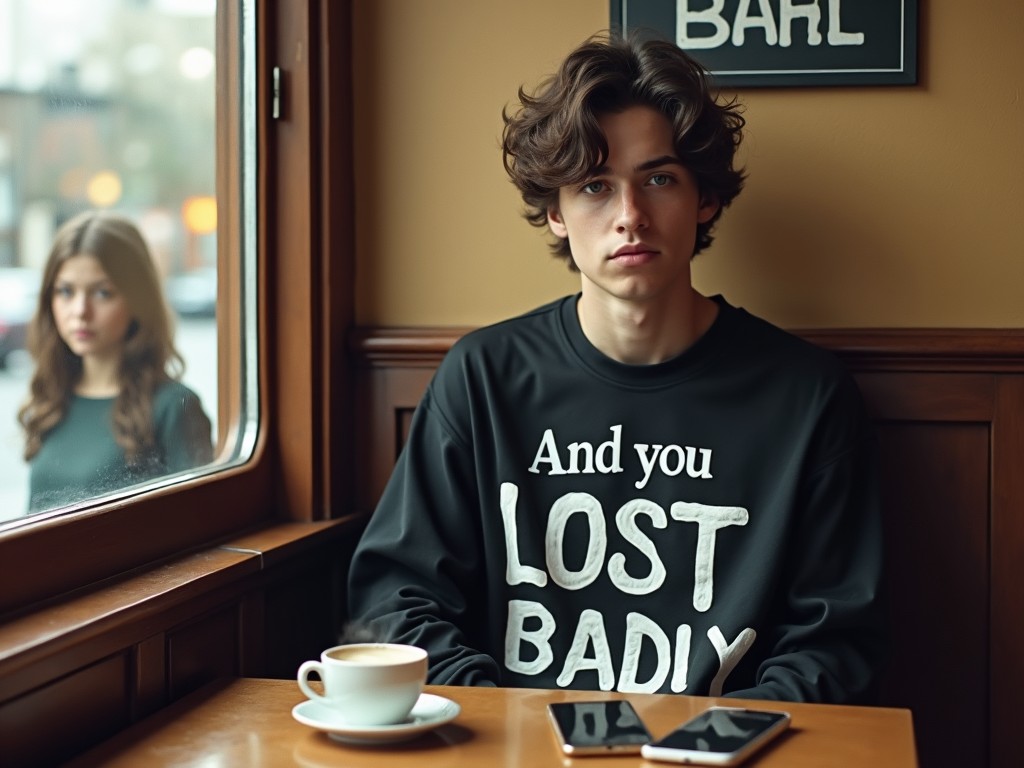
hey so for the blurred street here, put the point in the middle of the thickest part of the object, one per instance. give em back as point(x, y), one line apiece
point(196, 340)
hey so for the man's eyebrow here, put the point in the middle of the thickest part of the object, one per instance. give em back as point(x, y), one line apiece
point(647, 165)
point(658, 162)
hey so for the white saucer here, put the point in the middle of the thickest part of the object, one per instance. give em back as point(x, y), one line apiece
point(428, 713)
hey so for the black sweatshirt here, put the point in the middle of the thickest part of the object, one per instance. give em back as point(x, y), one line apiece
point(706, 525)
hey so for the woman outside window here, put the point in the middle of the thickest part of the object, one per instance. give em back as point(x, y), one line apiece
point(106, 408)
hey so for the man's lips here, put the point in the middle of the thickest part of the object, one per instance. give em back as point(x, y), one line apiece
point(634, 253)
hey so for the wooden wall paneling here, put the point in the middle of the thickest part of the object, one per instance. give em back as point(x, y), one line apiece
point(1007, 658)
point(387, 399)
point(916, 396)
point(367, 437)
point(252, 634)
point(392, 367)
point(202, 650)
point(344, 554)
point(943, 350)
point(51, 724)
point(72, 634)
point(301, 619)
point(149, 675)
point(934, 479)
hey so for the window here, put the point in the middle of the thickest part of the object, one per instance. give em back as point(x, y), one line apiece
point(292, 302)
point(111, 106)
point(148, 109)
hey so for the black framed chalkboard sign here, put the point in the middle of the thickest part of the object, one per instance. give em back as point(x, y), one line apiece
point(785, 42)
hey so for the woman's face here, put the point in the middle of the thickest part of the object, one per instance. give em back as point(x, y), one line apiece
point(92, 316)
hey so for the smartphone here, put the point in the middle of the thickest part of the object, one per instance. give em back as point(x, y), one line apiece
point(719, 736)
point(598, 727)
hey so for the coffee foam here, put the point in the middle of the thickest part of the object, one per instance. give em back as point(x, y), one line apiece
point(372, 655)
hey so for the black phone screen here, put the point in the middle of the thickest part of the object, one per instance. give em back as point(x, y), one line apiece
point(721, 730)
point(599, 724)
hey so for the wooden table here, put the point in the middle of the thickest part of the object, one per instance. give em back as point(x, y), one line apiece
point(248, 722)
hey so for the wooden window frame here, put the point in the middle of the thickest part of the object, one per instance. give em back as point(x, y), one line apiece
point(296, 472)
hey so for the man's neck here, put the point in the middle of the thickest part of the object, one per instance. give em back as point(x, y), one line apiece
point(644, 333)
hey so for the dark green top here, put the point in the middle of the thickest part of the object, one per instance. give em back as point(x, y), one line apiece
point(79, 458)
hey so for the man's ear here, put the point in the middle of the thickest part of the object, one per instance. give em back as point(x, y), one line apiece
point(708, 208)
point(555, 223)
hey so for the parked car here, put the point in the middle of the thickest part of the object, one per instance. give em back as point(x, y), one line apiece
point(19, 293)
point(194, 293)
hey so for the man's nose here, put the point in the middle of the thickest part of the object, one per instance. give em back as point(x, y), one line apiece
point(631, 214)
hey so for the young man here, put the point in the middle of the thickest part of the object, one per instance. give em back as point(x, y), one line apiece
point(636, 488)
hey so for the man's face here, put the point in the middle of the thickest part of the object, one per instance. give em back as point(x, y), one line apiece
point(632, 225)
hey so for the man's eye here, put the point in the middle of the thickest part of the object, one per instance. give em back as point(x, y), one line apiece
point(592, 188)
point(660, 179)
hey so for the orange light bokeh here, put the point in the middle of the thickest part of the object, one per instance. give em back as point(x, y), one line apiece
point(104, 189)
point(200, 214)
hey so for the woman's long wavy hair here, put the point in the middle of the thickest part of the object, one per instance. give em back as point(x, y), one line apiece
point(149, 358)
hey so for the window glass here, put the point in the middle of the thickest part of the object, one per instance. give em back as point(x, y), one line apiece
point(108, 118)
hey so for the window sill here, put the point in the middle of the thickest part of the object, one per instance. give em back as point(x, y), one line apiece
point(44, 643)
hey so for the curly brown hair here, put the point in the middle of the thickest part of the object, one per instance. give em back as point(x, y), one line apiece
point(554, 140)
point(149, 358)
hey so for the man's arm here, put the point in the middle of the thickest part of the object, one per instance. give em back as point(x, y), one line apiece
point(417, 574)
point(829, 643)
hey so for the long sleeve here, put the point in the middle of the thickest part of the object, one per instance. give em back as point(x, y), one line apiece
point(416, 576)
point(829, 642)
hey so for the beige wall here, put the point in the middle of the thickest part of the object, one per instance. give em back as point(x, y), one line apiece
point(894, 206)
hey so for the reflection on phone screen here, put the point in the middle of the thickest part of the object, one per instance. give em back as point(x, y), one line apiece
point(720, 730)
point(600, 723)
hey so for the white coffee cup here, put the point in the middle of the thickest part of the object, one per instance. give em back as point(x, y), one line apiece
point(368, 683)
